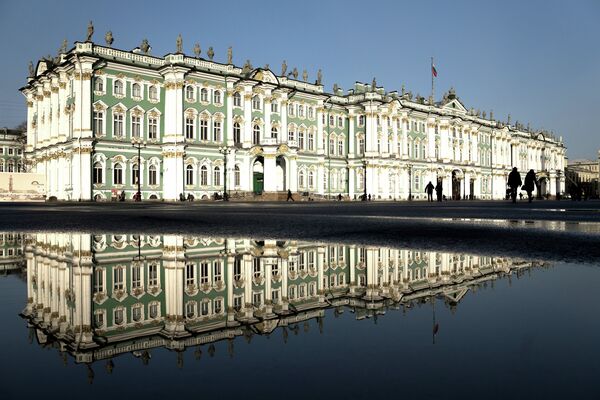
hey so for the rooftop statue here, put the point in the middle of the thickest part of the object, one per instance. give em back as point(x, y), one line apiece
point(304, 75)
point(403, 89)
point(335, 88)
point(267, 67)
point(90, 32)
point(108, 38)
point(247, 67)
point(319, 77)
point(179, 44)
point(145, 46)
point(31, 70)
point(210, 53)
point(283, 68)
point(197, 50)
point(491, 114)
point(63, 47)
point(508, 119)
point(230, 55)
point(295, 73)
point(483, 114)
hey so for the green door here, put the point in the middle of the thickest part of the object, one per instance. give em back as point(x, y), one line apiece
point(258, 182)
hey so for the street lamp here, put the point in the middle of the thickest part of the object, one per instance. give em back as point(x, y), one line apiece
point(137, 143)
point(365, 181)
point(409, 182)
point(225, 151)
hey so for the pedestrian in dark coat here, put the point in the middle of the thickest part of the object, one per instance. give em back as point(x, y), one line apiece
point(289, 196)
point(429, 190)
point(514, 181)
point(439, 190)
point(530, 182)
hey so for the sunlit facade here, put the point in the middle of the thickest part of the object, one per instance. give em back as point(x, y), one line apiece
point(204, 125)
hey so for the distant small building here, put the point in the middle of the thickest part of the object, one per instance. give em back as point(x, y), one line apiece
point(15, 183)
point(12, 144)
point(586, 174)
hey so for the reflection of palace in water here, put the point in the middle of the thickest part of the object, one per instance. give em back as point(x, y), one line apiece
point(100, 296)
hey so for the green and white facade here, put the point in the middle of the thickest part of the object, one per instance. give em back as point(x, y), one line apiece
point(201, 123)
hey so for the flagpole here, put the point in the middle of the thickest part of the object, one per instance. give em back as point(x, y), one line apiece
point(431, 72)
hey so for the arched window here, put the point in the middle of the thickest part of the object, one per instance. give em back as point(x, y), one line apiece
point(118, 125)
point(135, 173)
point(256, 134)
point(98, 122)
point(274, 132)
point(204, 95)
point(217, 97)
point(361, 120)
point(237, 134)
point(237, 99)
point(301, 179)
point(331, 146)
point(203, 176)
point(217, 131)
point(153, 93)
point(118, 174)
point(189, 127)
point(99, 84)
point(118, 88)
point(189, 175)
point(97, 174)
point(189, 93)
point(256, 103)
point(361, 145)
point(11, 166)
point(311, 141)
point(136, 126)
point(301, 140)
point(152, 175)
point(311, 179)
point(217, 176)
point(203, 129)
point(291, 134)
point(236, 175)
point(136, 90)
point(341, 147)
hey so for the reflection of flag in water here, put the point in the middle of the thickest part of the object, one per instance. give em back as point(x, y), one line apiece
point(436, 328)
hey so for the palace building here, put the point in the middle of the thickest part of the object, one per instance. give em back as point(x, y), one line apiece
point(102, 121)
point(105, 295)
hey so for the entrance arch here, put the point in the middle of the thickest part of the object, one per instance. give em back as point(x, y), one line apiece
point(542, 187)
point(258, 177)
point(456, 181)
point(281, 174)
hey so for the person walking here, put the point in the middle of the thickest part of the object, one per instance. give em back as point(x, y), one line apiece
point(439, 190)
point(530, 183)
point(289, 196)
point(429, 190)
point(514, 181)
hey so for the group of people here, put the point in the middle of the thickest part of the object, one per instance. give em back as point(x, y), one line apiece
point(439, 191)
point(514, 182)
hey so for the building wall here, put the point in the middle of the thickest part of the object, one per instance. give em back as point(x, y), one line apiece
point(278, 133)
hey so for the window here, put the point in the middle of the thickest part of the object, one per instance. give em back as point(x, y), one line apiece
point(152, 128)
point(311, 112)
point(153, 310)
point(311, 179)
point(118, 278)
point(236, 175)
point(152, 175)
point(341, 147)
point(301, 139)
point(204, 95)
point(217, 97)
point(291, 135)
point(190, 309)
point(99, 319)
point(361, 145)
point(217, 131)
point(98, 281)
point(99, 123)
point(301, 179)
point(311, 141)
point(203, 175)
point(291, 110)
point(203, 129)
point(274, 132)
point(153, 93)
point(204, 272)
point(217, 272)
point(97, 174)
point(218, 306)
point(237, 99)
point(331, 120)
point(217, 176)
point(340, 122)
point(118, 125)
point(189, 93)
point(237, 136)
point(135, 175)
point(256, 134)
point(189, 127)
point(256, 103)
point(136, 124)
point(118, 88)
point(99, 85)
point(361, 120)
point(331, 146)
point(189, 175)
point(136, 313)
point(190, 274)
point(136, 90)
point(301, 111)
point(274, 107)
point(136, 277)
point(118, 174)
point(119, 316)
point(237, 269)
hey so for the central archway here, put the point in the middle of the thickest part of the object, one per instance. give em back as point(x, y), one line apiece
point(258, 178)
point(456, 180)
point(281, 174)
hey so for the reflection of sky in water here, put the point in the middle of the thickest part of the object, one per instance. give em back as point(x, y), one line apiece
point(234, 317)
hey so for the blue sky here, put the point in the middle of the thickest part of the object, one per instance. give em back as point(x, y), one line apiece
point(537, 60)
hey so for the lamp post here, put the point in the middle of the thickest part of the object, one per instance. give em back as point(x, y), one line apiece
point(225, 151)
point(137, 143)
point(365, 181)
point(409, 182)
